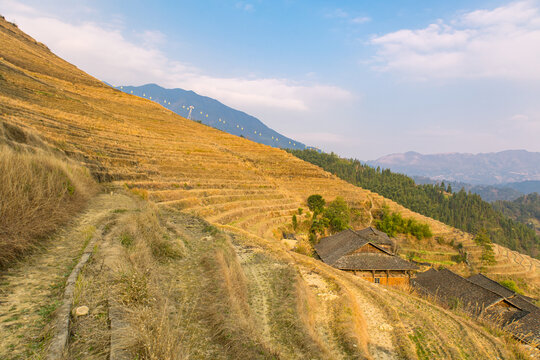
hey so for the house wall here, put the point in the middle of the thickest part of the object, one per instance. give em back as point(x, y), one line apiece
point(392, 278)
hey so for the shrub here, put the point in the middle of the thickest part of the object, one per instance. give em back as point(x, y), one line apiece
point(338, 215)
point(394, 223)
point(511, 285)
point(316, 203)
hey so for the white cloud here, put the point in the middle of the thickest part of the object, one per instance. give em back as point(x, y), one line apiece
point(524, 122)
point(501, 43)
point(344, 15)
point(337, 13)
point(245, 6)
point(106, 53)
point(360, 19)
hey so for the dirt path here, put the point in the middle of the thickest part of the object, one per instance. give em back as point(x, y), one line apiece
point(379, 331)
point(380, 343)
point(259, 291)
point(323, 311)
point(31, 291)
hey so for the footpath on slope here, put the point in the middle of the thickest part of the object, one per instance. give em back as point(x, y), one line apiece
point(32, 290)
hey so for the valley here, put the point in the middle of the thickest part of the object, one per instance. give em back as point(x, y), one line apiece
point(188, 259)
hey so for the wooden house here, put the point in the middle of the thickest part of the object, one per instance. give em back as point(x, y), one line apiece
point(349, 251)
point(457, 292)
point(526, 326)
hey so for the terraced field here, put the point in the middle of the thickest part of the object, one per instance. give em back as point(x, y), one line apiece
point(226, 179)
point(249, 293)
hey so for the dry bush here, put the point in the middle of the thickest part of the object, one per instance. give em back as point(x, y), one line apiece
point(304, 247)
point(226, 306)
point(38, 192)
point(156, 337)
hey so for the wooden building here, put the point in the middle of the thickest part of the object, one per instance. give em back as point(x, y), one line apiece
point(526, 327)
point(350, 251)
point(481, 296)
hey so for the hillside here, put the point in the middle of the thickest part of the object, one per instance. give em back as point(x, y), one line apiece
point(525, 187)
point(463, 210)
point(213, 113)
point(182, 244)
point(490, 168)
point(489, 193)
point(525, 209)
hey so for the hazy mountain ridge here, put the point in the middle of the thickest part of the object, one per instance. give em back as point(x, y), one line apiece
point(211, 112)
point(525, 209)
point(508, 166)
point(488, 193)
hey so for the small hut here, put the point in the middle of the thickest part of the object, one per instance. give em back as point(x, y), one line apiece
point(526, 325)
point(349, 251)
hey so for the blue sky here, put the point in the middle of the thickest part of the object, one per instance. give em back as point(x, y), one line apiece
point(360, 78)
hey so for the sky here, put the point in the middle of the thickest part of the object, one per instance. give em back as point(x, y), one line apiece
point(360, 78)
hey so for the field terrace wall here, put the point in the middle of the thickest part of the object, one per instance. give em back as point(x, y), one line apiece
point(176, 162)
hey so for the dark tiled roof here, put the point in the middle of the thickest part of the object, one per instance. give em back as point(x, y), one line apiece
point(331, 248)
point(523, 304)
point(375, 236)
point(370, 261)
point(492, 285)
point(479, 292)
point(527, 328)
point(520, 301)
point(450, 287)
point(336, 250)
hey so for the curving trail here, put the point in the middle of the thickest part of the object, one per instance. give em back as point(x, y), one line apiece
point(32, 290)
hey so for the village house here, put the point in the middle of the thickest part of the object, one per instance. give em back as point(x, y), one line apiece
point(527, 326)
point(481, 296)
point(367, 253)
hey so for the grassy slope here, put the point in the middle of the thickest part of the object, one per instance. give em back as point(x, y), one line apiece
point(300, 306)
point(40, 190)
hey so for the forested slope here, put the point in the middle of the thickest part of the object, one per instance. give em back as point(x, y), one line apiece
point(460, 209)
point(525, 209)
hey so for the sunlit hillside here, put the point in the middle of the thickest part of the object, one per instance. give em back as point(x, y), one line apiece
point(249, 190)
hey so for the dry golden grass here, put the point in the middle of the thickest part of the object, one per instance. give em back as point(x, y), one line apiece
point(226, 179)
point(173, 161)
point(215, 296)
point(38, 192)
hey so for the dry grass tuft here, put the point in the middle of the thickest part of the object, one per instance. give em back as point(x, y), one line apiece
point(38, 192)
point(226, 307)
point(156, 337)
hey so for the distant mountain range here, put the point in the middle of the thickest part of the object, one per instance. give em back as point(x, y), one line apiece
point(490, 193)
point(213, 113)
point(501, 168)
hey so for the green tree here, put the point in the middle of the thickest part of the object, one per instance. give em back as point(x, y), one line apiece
point(338, 215)
point(294, 222)
point(482, 239)
point(316, 203)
